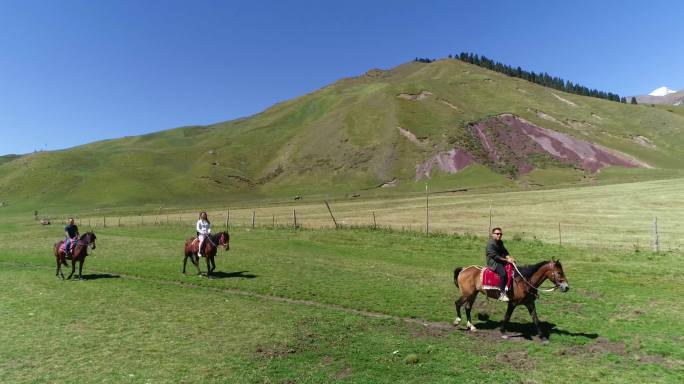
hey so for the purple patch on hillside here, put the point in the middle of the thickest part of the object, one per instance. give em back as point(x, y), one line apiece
point(510, 140)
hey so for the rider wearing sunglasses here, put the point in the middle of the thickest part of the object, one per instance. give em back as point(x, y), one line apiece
point(497, 257)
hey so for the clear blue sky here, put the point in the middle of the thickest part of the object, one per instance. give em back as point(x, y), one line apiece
point(73, 72)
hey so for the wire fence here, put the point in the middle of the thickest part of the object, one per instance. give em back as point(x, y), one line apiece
point(637, 231)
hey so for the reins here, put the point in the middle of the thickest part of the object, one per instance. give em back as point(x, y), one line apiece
point(532, 286)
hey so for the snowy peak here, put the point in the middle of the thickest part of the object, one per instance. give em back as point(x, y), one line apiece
point(662, 91)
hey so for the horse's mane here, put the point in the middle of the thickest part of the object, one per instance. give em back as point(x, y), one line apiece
point(214, 236)
point(528, 270)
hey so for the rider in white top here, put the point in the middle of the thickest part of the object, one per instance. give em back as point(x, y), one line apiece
point(203, 230)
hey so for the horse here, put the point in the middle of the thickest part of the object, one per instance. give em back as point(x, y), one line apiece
point(80, 252)
point(211, 244)
point(524, 290)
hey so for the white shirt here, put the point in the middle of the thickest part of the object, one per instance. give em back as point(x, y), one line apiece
point(203, 227)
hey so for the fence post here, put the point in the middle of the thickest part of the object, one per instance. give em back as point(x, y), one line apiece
point(656, 240)
point(331, 214)
point(375, 224)
point(560, 238)
point(274, 220)
point(253, 218)
point(294, 216)
point(142, 221)
point(104, 221)
point(226, 222)
point(119, 221)
point(427, 210)
point(490, 219)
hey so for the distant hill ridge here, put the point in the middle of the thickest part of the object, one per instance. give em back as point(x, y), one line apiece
point(457, 124)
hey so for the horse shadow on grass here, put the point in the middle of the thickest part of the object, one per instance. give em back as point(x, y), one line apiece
point(528, 330)
point(230, 275)
point(95, 276)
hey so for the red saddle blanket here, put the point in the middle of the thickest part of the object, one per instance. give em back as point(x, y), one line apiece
point(490, 279)
point(72, 245)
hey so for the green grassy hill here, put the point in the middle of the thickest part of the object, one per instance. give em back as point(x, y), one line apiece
point(345, 138)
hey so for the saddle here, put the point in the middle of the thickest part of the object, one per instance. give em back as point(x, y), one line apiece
point(490, 279)
point(72, 246)
point(195, 245)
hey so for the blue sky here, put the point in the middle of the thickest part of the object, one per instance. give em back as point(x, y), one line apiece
point(73, 72)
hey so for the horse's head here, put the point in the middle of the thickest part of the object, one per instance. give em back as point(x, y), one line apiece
point(224, 240)
point(88, 238)
point(557, 276)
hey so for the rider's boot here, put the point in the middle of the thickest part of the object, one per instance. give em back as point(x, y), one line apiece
point(503, 296)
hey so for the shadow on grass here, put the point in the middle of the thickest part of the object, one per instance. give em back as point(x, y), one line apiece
point(95, 276)
point(528, 330)
point(229, 275)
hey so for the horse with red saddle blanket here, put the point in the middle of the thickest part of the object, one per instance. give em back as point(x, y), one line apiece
point(77, 252)
point(211, 245)
point(523, 289)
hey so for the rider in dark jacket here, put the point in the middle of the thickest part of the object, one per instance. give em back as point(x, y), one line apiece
point(497, 257)
point(71, 232)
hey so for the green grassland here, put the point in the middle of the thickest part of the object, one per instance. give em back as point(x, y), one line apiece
point(318, 306)
point(341, 139)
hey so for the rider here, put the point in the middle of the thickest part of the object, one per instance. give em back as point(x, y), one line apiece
point(497, 257)
point(203, 230)
point(71, 232)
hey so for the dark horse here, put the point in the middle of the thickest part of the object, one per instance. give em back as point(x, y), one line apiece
point(524, 287)
point(80, 253)
point(211, 244)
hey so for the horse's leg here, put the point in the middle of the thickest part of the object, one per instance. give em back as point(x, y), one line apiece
point(196, 262)
point(59, 264)
point(213, 264)
point(208, 265)
point(458, 304)
point(468, 308)
point(533, 312)
point(507, 317)
point(73, 267)
point(185, 262)
point(80, 268)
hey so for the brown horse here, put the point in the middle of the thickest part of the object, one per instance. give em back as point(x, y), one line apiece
point(524, 290)
point(211, 244)
point(80, 252)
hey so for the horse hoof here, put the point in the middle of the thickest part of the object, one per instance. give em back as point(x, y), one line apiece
point(505, 337)
point(457, 321)
point(545, 341)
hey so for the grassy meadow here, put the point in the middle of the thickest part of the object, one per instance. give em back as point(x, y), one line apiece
point(319, 306)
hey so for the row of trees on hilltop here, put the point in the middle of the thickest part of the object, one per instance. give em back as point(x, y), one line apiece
point(542, 78)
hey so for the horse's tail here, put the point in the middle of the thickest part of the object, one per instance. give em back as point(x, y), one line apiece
point(456, 273)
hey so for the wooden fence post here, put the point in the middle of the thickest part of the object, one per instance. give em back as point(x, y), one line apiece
point(427, 210)
point(331, 214)
point(294, 217)
point(104, 221)
point(560, 238)
point(253, 218)
point(375, 224)
point(656, 239)
point(489, 231)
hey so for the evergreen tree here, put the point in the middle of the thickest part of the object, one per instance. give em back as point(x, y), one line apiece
point(633, 101)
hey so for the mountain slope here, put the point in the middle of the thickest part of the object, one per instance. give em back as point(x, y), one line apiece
point(357, 133)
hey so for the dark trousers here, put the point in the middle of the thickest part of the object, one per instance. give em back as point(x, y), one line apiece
point(503, 278)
